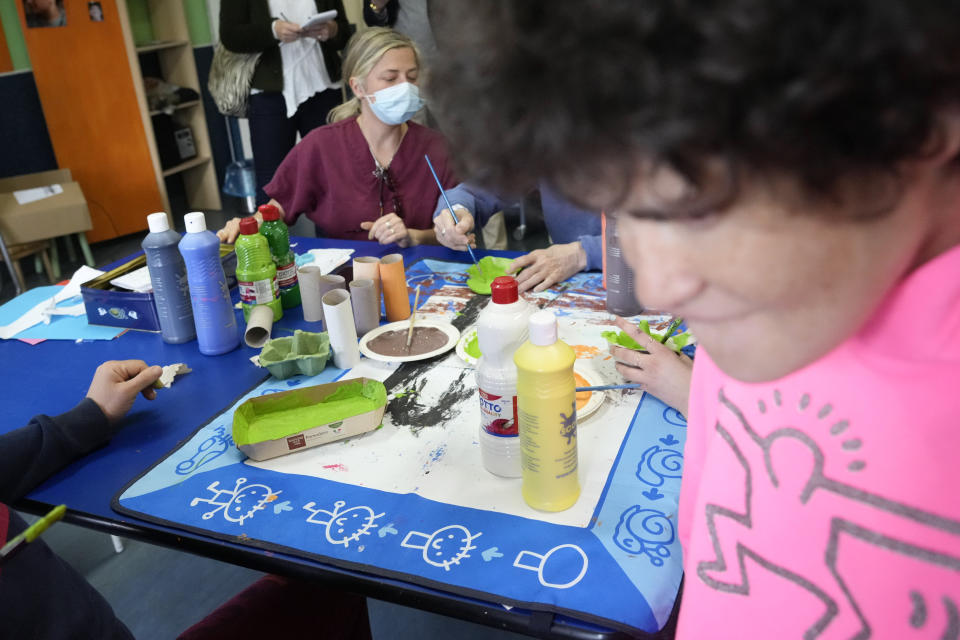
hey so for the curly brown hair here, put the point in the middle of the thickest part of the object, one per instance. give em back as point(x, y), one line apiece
point(815, 90)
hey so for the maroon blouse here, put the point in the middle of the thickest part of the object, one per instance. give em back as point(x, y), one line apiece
point(330, 176)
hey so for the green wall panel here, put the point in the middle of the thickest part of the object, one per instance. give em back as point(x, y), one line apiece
point(14, 34)
point(197, 22)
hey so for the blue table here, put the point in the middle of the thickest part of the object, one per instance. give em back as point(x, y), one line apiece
point(55, 375)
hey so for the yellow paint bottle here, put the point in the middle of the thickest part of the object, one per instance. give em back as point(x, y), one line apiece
point(547, 412)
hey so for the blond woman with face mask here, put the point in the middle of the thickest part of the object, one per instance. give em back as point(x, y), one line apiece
point(363, 177)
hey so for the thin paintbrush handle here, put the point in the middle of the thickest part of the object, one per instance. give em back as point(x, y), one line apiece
point(673, 327)
point(607, 387)
point(413, 316)
point(449, 206)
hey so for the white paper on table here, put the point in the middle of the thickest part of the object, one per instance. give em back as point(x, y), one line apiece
point(26, 196)
point(329, 259)
point(43, 311)
point(445, 465)
point(138, 280)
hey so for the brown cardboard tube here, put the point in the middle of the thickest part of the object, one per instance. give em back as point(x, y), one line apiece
point(366, 306)
point(393, 279)
point(368, 267)
point(310, 292)
point(258, 326)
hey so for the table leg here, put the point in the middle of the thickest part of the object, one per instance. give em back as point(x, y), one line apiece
point(55, 258)
point(11, 267)
point(85, 248)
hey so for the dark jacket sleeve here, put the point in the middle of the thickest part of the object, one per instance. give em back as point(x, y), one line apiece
point(240, 32)
point(339, 41)
point(31, 454)
point(386, 18)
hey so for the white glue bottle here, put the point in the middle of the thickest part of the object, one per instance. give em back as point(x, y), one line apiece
point(501, 328)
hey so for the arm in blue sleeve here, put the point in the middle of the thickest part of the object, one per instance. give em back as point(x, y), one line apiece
point(31, 454)
point(594, 248)
point(482, 204)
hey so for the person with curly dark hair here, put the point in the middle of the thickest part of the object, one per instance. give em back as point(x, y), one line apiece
point(786, 176)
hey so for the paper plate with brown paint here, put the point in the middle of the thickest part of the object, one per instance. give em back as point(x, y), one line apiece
point(388, 343)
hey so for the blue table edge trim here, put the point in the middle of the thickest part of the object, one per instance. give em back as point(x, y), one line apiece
point(493, 600)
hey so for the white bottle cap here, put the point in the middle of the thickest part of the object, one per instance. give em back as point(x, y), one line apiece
point(158, 222)
point(543, 328)
point(195, 222)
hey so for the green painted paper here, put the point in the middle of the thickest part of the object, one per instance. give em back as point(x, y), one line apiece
point(676, 342)
point(278, 417)
point(472, 347)
point(492, 268)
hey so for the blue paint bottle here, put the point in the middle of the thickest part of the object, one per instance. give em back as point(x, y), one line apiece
point(213, 314)
point(168, 276)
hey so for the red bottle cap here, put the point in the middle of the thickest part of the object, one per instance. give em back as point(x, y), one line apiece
point(504, 290)
point(249, 226)
point(269, 212)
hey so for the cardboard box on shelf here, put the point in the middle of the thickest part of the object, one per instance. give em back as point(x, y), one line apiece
point(58, 215)
point(280, 423)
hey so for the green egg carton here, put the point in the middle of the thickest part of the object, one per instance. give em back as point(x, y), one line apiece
point(304, 352)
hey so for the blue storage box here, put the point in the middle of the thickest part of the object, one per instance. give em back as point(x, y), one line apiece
point(107, 305)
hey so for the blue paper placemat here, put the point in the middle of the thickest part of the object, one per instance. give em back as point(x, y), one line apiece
point(622, 570)
point(60, 327)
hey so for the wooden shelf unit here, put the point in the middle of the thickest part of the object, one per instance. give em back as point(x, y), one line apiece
point(161, 45)
point(177, 65)
point(177, 107)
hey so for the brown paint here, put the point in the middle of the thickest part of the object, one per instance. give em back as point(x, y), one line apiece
point(394, 343)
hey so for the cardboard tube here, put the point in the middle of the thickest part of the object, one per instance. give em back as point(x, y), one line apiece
point(338, 316)
point(393, 279)
point(366, 306)
point(310, 293)
point(258, 326)
point(329, 283)
point(368, 267)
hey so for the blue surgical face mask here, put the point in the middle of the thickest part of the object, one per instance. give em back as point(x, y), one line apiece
point(396, 104)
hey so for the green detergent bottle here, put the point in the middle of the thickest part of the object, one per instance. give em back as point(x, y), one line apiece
point(256, 273)
point(275, 231)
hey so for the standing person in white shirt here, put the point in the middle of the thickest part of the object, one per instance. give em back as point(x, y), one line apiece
point(297, 80)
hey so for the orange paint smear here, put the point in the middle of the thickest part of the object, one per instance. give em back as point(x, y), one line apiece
point(583, 397)
point(584, 351)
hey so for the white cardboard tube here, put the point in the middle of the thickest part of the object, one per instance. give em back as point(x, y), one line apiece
point(338, 317)
point(310, 293)
point(259, 326)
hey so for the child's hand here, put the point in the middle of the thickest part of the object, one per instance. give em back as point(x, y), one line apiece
point(116, 384)
point(662, 372)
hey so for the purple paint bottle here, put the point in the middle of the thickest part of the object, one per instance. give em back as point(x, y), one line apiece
point(168, 276)
point(213, 314)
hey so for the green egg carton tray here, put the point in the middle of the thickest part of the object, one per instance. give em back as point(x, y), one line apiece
point(304, 352)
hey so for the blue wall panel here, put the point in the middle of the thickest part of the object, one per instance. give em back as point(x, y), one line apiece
point(24, 139)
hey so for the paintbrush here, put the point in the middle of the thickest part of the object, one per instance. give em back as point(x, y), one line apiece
point(413, 316)
point(606, 387)
point(450, 209)
point(676, 322)
point(562, 289)
point(31, 533)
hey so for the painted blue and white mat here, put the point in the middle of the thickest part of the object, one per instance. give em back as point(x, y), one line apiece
point(412, 501)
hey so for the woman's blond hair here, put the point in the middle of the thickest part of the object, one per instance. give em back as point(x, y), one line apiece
point(363, 54)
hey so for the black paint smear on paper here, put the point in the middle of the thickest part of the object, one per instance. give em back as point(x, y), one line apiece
point(410, 412)
point(411, 377)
